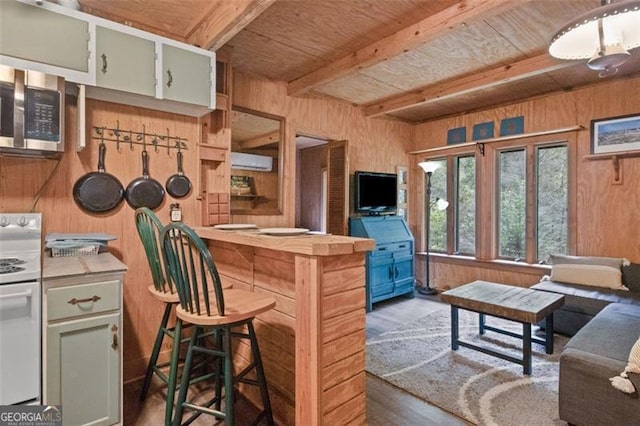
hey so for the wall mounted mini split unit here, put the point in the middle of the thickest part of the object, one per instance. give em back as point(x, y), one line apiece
point(242, 161)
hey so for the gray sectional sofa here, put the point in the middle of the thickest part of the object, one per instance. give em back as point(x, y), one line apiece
point(605, 324)
point(598, 351)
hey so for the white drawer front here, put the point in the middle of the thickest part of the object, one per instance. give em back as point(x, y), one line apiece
point(78, 300)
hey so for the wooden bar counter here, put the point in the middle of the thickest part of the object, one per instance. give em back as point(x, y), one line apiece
point(313, 341)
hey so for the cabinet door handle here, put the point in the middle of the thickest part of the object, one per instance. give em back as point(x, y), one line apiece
point(75, 301)
point(104, 63)
point(114, 335)
point(390, 272)
point(169, 78)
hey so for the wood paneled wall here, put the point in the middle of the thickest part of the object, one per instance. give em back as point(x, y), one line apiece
point(374, 144)
point(22, 178)
point(606, 212)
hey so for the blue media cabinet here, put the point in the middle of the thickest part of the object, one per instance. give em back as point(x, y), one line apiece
point(390, 263)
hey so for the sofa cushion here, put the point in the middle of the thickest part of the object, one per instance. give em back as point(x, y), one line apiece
point(590, 275)
point(561, 259)
point(587, 300)
point(611, 334)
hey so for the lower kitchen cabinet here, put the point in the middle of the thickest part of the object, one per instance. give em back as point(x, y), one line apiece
point(83, 369)
point(82, 335)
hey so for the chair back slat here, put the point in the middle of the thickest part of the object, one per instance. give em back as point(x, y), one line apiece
point(192, 270)
point(149, 228)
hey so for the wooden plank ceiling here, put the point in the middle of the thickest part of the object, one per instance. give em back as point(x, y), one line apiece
point(413, 60)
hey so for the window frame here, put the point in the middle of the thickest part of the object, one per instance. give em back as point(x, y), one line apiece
point(486, 232)
point(531, 204)
point(527, 201)
point(456, 206)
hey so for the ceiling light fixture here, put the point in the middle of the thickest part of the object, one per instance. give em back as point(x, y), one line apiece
point(603, 36)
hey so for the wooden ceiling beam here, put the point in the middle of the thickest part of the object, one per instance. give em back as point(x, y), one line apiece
point(402, 41)
point(226, 20)
point(523, 69)
point(261, 140)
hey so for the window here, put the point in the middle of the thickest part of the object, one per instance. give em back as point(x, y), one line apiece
point(512, 198)
point(511, 201)
point(438, 218)
point(550, 202)
point(465, 205)
point(553, 201)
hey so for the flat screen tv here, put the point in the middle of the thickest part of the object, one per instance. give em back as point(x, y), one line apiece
point(375, 193)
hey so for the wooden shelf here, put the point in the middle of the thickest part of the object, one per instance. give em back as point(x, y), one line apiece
point(255, 199)
point(615, 158)
point(499, 139)
point(612, 155)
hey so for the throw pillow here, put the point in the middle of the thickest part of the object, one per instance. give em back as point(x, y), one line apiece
point(591, 275)
point(559, 259)
point(622, 381)
point(631, 276)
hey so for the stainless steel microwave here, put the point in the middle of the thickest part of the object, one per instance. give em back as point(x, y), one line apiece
point(31, 113)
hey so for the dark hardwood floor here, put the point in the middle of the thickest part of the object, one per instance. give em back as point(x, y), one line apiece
point(386, 404)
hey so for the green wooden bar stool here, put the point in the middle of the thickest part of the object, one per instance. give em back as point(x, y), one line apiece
point(204, 304)
point(149, 228)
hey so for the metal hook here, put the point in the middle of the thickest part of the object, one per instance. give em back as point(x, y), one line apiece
point(117, 132)
point(154, 142)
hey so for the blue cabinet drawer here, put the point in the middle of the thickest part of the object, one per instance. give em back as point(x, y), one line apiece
point(385, 249)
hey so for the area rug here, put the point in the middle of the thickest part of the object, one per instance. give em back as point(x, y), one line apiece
point(482, 389)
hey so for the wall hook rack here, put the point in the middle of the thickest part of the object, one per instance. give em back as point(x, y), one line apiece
point(132, 137)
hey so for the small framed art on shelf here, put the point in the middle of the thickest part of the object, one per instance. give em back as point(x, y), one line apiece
point(616, 134)
point(483, 131)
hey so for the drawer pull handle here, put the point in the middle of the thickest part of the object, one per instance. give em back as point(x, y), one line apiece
point(114, 342)
point(382, 248)
point(402, 246)
point(75, 301)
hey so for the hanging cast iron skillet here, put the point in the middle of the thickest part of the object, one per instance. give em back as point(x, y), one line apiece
point(145, 191)
point(178, 185)
point(98, 192)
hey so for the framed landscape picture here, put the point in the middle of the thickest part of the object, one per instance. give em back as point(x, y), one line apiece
point(616, 134)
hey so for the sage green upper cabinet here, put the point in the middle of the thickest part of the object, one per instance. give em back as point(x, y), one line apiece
point(37, 34)
point(187, 76)
point(125, 62)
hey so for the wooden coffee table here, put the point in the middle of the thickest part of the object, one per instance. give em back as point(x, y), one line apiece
point(517, 304)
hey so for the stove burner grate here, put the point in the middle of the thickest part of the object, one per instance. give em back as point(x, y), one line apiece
point(7, 269)
point(9, 261)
